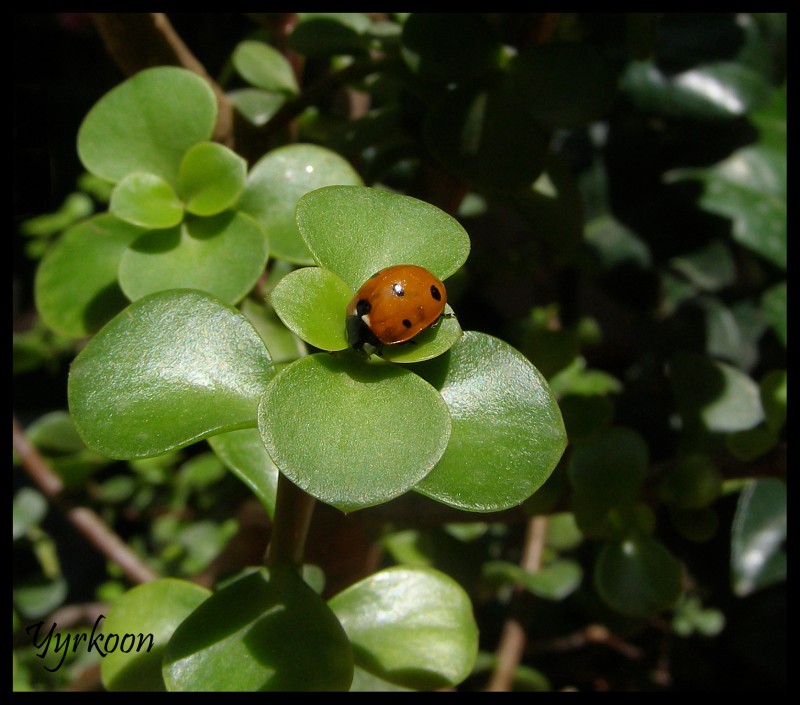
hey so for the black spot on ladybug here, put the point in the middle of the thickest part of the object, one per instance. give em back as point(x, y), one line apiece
point(435, 293)
point(363, 307)
point(406, 323)
point(397, 289)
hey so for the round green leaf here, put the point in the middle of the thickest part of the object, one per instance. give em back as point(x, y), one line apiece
point(147, 123)
point(223, 255)
point(638, 575)
point(507, 431)
point(76, 288)
point(244, 453)
point(256, 105)
point(609, 466)
point(146, 200)
point(277, 182)
point(211, 178)
point(275, 629)
point(311, 302)
point(169, 370)
point(147, 612)
point(410, 625)
point(355, 231)
point(263, 66)
point(352, 435)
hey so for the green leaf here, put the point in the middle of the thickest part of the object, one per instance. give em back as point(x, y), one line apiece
point(758, 536)
point(718, 397)
point(276, 629)
point(712, 91)
point(412, 626)
point(244, 453)
point(276, 183)
point(321, 37)
point(352, 434)
point(36, 597)
point(76, 286)
point(54, 435)
point(76, 206)
point(148, 611)
point(711, 268)
point(311, 302)
point(263, 66)
point(507, 431)
point(223, 255)
point(147, 123)
point(211, 178)
point(555, 581)
point(256, 105)
point(146, 200)
point(749, 187)
point(637, 576)
point(27, 510)
point(169, 370)
point(355, 231)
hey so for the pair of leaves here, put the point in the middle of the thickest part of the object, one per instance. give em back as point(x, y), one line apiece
point(410, 626)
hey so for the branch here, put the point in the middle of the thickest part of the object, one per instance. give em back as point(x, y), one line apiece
point(86, 521)
point(513, 639)
point(140, 40)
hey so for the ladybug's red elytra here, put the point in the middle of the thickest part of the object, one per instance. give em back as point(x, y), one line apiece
point(393, 306)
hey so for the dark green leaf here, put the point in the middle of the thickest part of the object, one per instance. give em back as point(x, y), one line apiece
point(276, 629)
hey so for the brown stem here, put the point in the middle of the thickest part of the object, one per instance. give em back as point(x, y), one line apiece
point(293, 511)
point(86, 521)
point(140, 40)
point(513, 638)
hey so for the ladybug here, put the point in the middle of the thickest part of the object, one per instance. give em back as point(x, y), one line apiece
point(392, 306)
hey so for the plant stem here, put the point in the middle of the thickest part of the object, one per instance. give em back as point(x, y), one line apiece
point(86, 521)
point(293, 511)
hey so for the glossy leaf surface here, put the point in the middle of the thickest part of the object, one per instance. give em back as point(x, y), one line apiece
point(147, 124)
point(276, 629)
point(410, 625)
point(176, 367)
point(352, 435)
point(154, 609)
point(507, 432)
